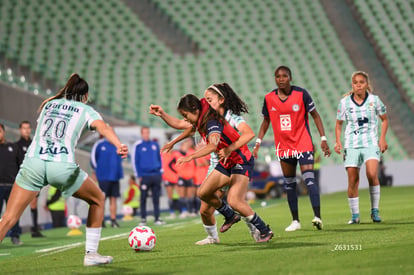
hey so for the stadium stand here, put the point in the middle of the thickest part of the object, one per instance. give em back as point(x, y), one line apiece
point(390, 25)
point(241, 42)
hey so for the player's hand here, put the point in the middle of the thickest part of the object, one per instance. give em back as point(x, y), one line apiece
point(383, 146)
point(123, 151)
point(224, 154)
point(325, 148)
point(256, 150)
point(166, 148)
point(155, 110)
point(183, 160)
point(338, 148)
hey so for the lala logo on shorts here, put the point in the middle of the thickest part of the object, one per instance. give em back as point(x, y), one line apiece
point(52, 149)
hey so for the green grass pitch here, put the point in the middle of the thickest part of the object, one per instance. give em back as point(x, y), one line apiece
point(367, 248)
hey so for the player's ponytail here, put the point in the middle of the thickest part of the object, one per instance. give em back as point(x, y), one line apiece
point(232, 101)
point(75, 89)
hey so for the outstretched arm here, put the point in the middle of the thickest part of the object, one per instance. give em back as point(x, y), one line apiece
point(106, 131)
point(210, 147)
point(173, 122)
point(187, 133)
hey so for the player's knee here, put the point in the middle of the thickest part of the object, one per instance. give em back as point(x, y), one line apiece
point(290, 183)
point(9, 221)
point(309, 178)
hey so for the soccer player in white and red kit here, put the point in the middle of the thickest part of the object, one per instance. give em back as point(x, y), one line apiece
point(287, 108)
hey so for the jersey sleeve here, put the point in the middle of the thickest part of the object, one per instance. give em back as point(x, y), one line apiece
point(340, 114)
point(308, 101)
point(381, 109)
point(91, 116)
point(235, 120)
point(214, 126)
point(265, 112)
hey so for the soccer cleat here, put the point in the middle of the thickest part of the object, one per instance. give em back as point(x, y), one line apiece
point(354, 219)
point(317, 223)
point(208, 240)
point(265, 237)
point(143, 222)
point(114, 224)
point(96, 259)
point(295, 225)
point(229, 222)
point(255, 234)
point(375, 215)
point(159, 222)
point(16, 241)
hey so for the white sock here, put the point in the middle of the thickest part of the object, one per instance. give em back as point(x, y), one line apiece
point(354, 205)
point(93, 235)
point(211, 230)
point(251, 227)
point(374, 192)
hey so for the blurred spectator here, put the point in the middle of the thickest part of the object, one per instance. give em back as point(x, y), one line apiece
point(185, 183)
point(146, 162)
point(107, 165)
point(10, 159)
point(23, 143)
point(384, 179)
point(56, 204)
point(201, 169)
point(132, 195)
point(317, 165)
point(170, 179)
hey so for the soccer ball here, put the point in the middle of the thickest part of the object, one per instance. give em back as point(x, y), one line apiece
point(73, 222)
point(142, 238)
point(127, 210)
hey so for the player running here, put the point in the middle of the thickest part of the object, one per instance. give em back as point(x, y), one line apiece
point(50, 159)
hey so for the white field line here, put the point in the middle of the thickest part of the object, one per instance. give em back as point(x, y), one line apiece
point(4, 254)
point(58, 249)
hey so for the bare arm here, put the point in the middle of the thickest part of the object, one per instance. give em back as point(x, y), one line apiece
point(106, 131)
point(187, 133)
point(210, 147)
point(263, 129)
point(173, 122)
point(338, 130)
point(384, 128)
point(319, 125)
point(246, 135)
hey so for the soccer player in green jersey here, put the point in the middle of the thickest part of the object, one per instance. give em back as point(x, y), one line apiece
point(361, 109)
point(50, 160)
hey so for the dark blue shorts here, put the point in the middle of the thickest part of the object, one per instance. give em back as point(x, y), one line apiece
point(110, 188)
point(185, 183)
point(304, 158)
point(240, 169)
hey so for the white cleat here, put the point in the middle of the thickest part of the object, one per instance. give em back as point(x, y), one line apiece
point(317, 223)
point(208, 240)
point(295, 225)
point(96, 259)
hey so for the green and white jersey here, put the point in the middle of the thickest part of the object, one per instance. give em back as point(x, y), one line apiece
point(362, 120)
point(234, 121)
point(59, 127)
